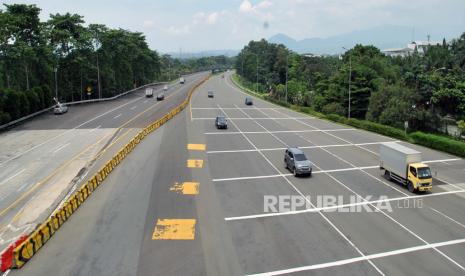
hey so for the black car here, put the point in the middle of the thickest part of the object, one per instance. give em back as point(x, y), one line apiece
point(221, 122)
point(248, 101)
point(210, 94)
point(161, 97)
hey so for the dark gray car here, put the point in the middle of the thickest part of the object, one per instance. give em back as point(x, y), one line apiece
point(296, 161)
point(221, 122)
point(248, 101)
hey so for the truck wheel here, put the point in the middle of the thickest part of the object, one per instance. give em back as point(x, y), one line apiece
point(387, 175)
point(410, 187)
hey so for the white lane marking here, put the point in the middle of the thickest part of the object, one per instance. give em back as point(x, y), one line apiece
point(303, 147)
point(233, 108)
point(134, 107)
point(22, 187)
point(381, 211)
point(55, 137)
point(321, 171)
point(362, 258)
point(61, 147)
point(279, 131)
point(260, 118)
point(11, 177)
point(342, 206)
point(117, 116)
point(442, 160)
point(95, 128)
point(303, 196)
point(446, 216)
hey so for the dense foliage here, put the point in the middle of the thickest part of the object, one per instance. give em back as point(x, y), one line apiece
point(32, 53)
point(424, 89)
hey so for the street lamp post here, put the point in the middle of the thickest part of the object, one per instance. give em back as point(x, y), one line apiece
point(56, 83)
point(287, 68)
point(257, 74)
point(350, 79)
point(98, 79)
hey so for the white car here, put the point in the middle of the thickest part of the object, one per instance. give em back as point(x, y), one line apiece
point(165, 87)
point(60, 109)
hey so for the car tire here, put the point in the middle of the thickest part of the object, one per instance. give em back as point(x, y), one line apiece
point(310, 174)
point(387, 175)
point(285, 165)
point(410, 187)
point(295, 172)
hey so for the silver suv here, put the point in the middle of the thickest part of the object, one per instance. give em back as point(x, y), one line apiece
point(296, 161)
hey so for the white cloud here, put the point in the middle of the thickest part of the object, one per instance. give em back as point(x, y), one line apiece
point(246, 6)
point(212, 18)
point(264, 4)
point(148, 24)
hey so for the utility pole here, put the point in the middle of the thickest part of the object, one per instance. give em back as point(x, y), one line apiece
point(287, 68)
point(56, 83)
point(256, 86)
point(98, 79)
point(27, 77)
point(350, 79)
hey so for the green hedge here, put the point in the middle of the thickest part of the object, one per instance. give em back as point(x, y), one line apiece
point(439, 143)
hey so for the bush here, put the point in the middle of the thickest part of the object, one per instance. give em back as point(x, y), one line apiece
point(439, 143)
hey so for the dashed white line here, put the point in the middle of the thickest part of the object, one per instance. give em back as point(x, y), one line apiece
point(300, 147)
point(279, 131)
point(95, 128)
point(22, 187)
point(446, 216)
point(117, 116)
point(249, 118)
point(61, 147)
point(362, 258)
point(134, 107)
point(11, 177)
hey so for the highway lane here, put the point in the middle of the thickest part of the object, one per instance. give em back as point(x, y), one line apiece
point(233, 235)
point(74, 139)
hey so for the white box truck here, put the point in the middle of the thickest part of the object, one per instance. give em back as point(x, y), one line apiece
point(181, 80)
point(149, 92)
point(405, 166)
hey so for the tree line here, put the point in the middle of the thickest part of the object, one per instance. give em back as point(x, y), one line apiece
point(425, 89)
point(63, 57)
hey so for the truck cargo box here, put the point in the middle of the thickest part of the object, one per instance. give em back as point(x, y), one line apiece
point(395, 158)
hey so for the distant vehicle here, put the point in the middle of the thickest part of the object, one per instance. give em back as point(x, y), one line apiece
point(405, 166)
point(60, 109)
point(248, 101)
point(165, 88)
point(296, 161)
point(210, 94)
point(161, 97)
point(148, 92)
point(222, 76)
point(221, 122)
point(181, 80)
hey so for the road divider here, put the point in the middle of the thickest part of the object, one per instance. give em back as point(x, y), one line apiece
point(23, 250)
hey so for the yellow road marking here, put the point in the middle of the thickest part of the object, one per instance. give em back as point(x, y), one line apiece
point(194, 163)
point(174, 229)
point(186, 188)
point(196, 146)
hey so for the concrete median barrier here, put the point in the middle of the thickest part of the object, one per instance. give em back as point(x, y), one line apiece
point(23, 251)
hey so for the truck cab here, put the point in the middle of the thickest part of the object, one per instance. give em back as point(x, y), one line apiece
point(420, 176)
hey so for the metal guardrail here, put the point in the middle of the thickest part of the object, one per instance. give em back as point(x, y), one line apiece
point(12, 123)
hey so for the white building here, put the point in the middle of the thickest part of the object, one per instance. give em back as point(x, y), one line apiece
point(419, 46)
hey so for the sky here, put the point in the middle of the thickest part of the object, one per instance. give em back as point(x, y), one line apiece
point(195, 26)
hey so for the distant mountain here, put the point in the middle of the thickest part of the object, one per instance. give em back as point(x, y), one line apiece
point(228, 53)
point(383, 37)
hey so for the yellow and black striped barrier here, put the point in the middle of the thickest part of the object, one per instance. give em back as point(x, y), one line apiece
point(28, 248)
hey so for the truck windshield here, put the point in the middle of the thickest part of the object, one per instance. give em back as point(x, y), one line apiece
point(424, 173)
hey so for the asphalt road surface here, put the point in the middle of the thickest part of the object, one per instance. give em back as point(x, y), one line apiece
point(50, 150)
point(160, 214)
